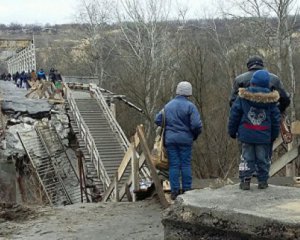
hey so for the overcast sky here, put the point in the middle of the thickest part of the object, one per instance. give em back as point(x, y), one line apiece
point(64, 11)
point(37, 11)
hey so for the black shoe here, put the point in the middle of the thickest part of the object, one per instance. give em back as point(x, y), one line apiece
point(174, 195)
point(185, 190)
point(262, 185)
point(245, 185)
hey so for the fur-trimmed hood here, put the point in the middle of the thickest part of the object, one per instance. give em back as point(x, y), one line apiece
point(259, 97)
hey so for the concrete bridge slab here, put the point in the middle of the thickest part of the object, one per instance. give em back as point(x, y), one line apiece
point(230, 213)
point(14, 100)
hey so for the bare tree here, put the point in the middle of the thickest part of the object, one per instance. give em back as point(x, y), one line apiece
point(145, 53)
point(95, 15)
point(276, 36)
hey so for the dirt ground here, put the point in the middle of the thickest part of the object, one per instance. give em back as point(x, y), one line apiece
point(94, 221)
point(140, 220)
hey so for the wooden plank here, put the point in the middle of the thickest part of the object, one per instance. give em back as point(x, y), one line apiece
point(30, 92)
point(283, 161)
point(116, 187)
point(135, 173)
point(122, 192)
point(125, 161)
point(290, 168)
point(109, 191)
point(136, 140)
point(61, 101)
point(128, 193)
point(154, 175)
point(277, 143)
point(295, 128)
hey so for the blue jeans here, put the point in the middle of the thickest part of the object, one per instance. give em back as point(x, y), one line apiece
point(255, 157)
point(180, 164)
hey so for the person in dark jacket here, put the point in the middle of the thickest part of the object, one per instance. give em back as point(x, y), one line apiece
point(52, 76)
point(255, 63)
point(255, 120)
point(23, 78)
point(182, 126)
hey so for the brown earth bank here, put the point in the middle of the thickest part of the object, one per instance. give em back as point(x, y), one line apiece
point(140, 220)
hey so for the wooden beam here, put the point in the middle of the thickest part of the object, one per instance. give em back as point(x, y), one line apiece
point(125, 161)
point(135, 172)
point(295, 129)
point(290, 168)
point(136, 140)
point(128, 193)
point(277, 142)
point(154, 175)
point(108, 191)
point(283, 161)
point(116, 187)
point(121, 170)
point(122, 191)
point(141, 161)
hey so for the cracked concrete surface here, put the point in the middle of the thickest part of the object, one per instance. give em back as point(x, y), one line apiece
point(230, 213)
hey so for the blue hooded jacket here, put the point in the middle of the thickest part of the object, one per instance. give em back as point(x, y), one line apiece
point(254, 116)
point(183, 123)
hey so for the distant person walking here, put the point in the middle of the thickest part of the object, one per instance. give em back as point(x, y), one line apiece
point(182, 126)
point(41, 74)
point(58, 76)
point(33, 75)
point(52, 76)
point(255, 120)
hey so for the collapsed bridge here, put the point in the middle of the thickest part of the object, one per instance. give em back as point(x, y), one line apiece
point(109, 167)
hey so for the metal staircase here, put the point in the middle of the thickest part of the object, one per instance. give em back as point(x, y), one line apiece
point(52, 166)
point(105, 139)
point(67, 167)
point(101, 140)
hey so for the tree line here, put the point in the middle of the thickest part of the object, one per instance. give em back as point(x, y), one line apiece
point(136, 50)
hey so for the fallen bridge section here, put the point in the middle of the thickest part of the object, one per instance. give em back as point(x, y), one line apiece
point(230, 213)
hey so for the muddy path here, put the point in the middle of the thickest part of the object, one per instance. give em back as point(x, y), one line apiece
point(141, 220)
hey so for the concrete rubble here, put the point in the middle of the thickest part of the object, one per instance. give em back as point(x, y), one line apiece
point(21, 115)
point(14, 101)
point(230, 213)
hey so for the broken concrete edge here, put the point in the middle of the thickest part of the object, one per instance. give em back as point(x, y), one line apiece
point(189, 221)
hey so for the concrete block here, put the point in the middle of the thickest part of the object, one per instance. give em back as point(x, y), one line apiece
point(230, 213)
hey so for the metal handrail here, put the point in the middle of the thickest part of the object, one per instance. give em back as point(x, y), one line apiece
point(115, 125)
point(111, 119)
point(88, 140)
point(53, 165)
point(35, 169)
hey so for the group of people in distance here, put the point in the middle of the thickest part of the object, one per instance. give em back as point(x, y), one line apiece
point(22, 79)
point(256, 103)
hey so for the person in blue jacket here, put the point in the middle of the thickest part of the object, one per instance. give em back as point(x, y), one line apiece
point(41, 74)
point(255, 120)
point(182, 126)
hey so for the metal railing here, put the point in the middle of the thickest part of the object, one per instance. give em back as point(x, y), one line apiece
point(109, 115)
point(88, 140)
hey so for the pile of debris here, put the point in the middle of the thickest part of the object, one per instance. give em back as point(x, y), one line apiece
point(45, 89)
point(23, 115)
point(15, 212)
